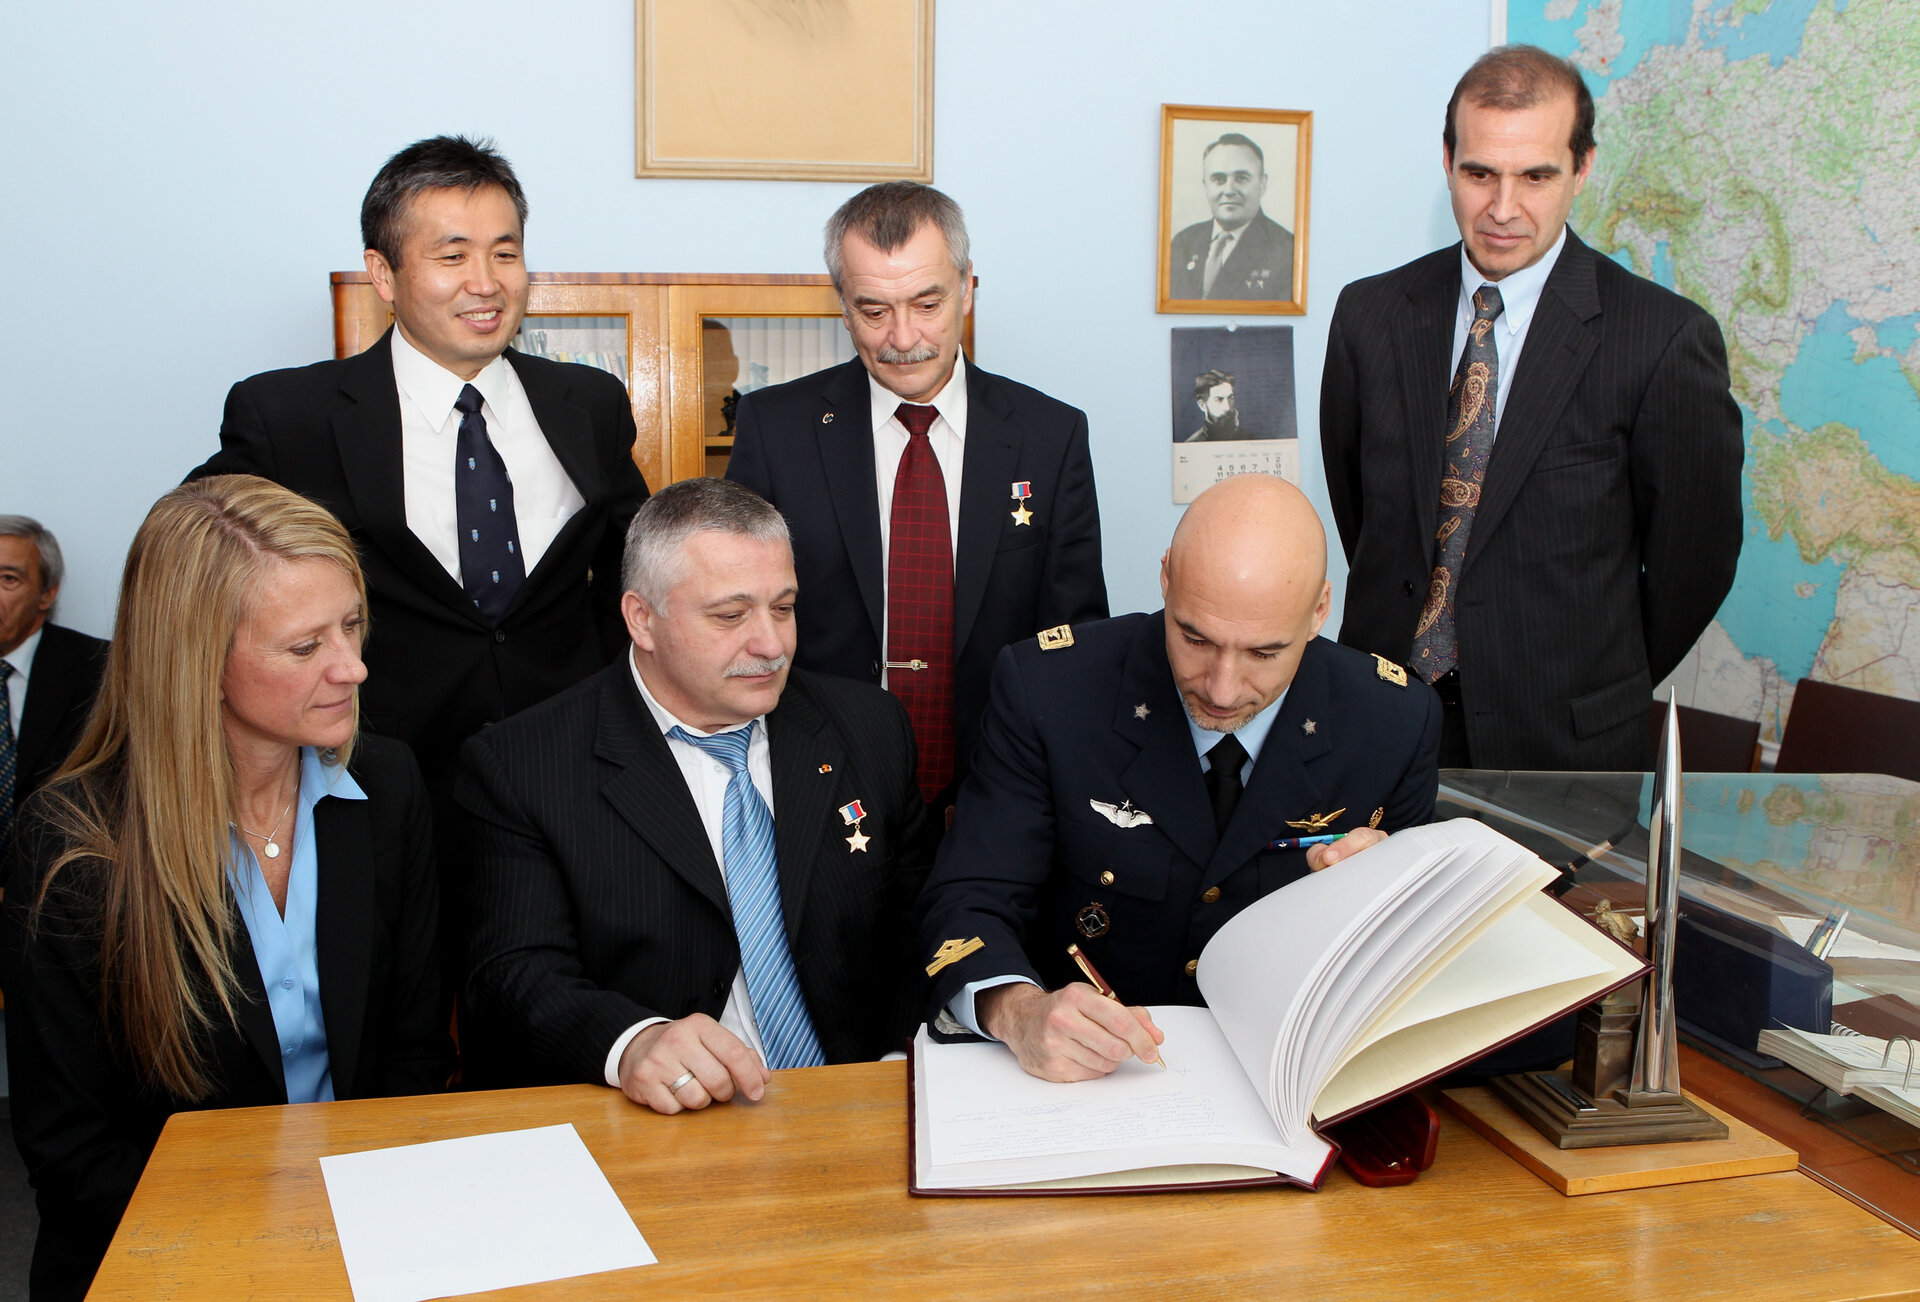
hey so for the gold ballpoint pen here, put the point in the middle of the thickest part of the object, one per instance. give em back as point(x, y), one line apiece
point(1099, 983)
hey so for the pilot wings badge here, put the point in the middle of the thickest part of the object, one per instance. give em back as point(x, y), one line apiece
point(1315, 823)
point(1122, 814)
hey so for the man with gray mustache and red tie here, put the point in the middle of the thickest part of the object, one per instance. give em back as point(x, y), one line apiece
point(938, 512)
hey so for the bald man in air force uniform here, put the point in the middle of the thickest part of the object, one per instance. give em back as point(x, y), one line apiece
point(1132, 772)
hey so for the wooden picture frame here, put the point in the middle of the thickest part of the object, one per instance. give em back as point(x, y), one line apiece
point(790, 90)
point(1263, 268)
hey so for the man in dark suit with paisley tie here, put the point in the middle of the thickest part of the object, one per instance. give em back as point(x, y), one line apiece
point(1545, 540)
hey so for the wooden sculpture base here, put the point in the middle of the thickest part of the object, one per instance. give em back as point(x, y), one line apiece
point(1745, 1151)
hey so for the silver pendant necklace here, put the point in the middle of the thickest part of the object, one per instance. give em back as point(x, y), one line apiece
point(271, 838)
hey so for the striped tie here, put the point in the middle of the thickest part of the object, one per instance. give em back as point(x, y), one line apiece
point(753, 888)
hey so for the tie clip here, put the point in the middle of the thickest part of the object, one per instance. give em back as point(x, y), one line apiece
point(909, 664)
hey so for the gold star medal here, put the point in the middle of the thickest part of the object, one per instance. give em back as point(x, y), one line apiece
point(1021, 492)
point(851, 814)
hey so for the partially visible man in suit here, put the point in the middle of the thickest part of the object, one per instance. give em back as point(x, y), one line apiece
point(938, 512)
point(1545, 540)
point(699, 863)
point(1219, 410)
point(48, 675)
point(1131, 777)
point(487, 491)
point(1242, 253)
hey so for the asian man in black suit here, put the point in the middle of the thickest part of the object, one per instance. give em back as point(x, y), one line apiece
point(1544, 539)
point(698, 864)
point(487, 491)
point(938, 512)
point(1130, 778)
point(49, 675)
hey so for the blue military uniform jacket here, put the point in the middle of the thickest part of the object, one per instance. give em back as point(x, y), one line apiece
point(1030, 866)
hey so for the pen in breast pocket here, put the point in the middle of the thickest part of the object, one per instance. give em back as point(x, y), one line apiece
point(1297, 842)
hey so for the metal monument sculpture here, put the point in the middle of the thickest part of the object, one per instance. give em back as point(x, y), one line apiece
point(1624, 1085)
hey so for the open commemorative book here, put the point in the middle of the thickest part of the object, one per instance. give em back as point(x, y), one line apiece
point(1340, 990)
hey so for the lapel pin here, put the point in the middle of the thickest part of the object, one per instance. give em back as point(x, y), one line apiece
point(1310, 727)
point(1122, 814)
point(952, 951)
point(1378, 814)
point(1316, 822)
point(826, 768)
point(1141, 711)
point(851, 814)
point(827, 419)
point(1021, 492)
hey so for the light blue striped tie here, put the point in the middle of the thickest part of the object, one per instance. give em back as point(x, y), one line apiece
point(753, 888)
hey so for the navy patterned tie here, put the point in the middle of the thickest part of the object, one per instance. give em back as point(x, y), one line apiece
point(491, 568)
point(1470, 407)
point(9, 752)
point(753, 889)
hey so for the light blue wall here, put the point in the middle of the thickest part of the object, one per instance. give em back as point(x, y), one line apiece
point(180, 179)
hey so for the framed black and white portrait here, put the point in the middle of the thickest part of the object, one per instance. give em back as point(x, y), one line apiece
point(1233, 406)
point(1233, 209)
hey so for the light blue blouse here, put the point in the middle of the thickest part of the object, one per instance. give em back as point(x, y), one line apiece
point(284, 946)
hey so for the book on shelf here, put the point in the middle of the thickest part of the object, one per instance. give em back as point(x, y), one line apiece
point(1339, 991)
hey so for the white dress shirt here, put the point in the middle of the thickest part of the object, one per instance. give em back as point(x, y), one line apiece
point(1519, 296)
point(707, 780)
point(21, 658)
point(948, 437)
point(544, 498)
point(1252, 735)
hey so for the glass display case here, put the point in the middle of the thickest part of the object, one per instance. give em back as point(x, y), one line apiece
point(1799, 913)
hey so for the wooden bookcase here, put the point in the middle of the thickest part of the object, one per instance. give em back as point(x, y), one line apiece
point(680, 334)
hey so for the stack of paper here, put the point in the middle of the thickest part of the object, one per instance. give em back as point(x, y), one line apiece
point(1843, 1063)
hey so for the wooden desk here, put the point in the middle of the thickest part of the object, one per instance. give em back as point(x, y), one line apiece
point(804, 1195)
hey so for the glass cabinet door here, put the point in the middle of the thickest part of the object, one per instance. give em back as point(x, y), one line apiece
point(739, 354)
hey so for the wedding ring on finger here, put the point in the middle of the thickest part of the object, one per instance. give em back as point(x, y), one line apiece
point(680, 1080)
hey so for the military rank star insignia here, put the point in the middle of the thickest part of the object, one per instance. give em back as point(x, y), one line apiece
point(851, 814)
point(1309, 727)
point(1141, 711)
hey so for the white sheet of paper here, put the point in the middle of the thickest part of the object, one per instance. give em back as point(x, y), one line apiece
point(483, 1212)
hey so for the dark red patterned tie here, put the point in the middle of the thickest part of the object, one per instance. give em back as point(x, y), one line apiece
point(920, 600)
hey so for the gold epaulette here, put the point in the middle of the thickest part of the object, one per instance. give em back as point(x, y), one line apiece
point(1389, 671)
